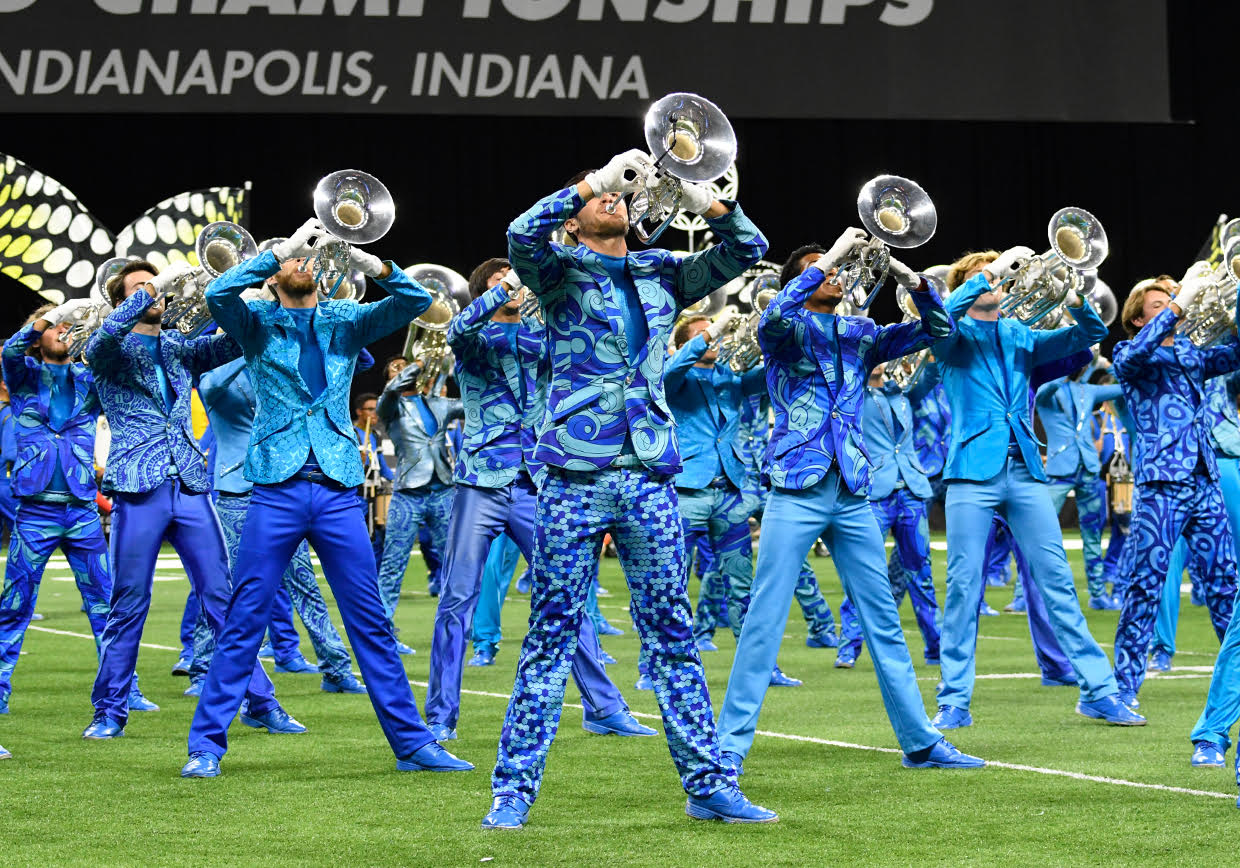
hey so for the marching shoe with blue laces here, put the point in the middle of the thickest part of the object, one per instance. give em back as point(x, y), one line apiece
point(442, 731)
point(846, 657)
point(1129, 698)
point(606, 659)
point(734, 761)
point(606, 629)
point(298, 665)
point(1160, 661)
point(826, 639)
point(643, 682)
point(1110, 709)
point(276, 722)
point(779, 679)
point(181, 667)
point(951, 717)
point(1207, 755)
point(103, 727)
point(345, 683)
point(618, 723)
point(507, 812)
point(195, 686)
point(729, 805)
point(265, 650)
point(138, 702)
point(705, 643)
point(987, 611)
point(4, 754)
point(941, 755)
point(482, 657)
point(202, 764)
point(432, 758)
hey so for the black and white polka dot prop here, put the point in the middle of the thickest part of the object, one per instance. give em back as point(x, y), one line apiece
point(167, 232)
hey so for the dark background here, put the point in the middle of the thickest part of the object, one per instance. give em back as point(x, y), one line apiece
point(458, 181)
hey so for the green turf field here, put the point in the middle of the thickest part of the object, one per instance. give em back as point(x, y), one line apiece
point(332, 796)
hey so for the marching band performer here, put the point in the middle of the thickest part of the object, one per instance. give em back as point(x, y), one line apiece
point(304, 464)
point(1177, 492)
point(501, 365)
point(609, 445)
point(994, 463)
point(817, 364)
point(423, 487)
point(54, 410)
point(157, 476)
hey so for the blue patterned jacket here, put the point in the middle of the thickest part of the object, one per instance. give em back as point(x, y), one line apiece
point(1066, 408)
point(291, 422)
point(146, 438)
point(501, 432)
point(932, 426)
point(991, 401)
point(817, 366)
point(1224, 422)
point(707, 410)
point(39, 445)
point(888, 427)
point(420, 457)
point(1164, 388)
point(596, 398)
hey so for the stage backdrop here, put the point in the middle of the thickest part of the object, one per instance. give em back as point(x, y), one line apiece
point(1100, 60)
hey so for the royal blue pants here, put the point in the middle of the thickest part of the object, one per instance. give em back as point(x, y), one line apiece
point(430, 505)
point(845, 522)
point(8, 503)
point(712, 604)
point(41, 528)
point(480, 515)
point(1120, 522)
point(1026, 504)
point(140, 524)
point(280, 517)
point(501, 563)
point(1091, 510)
point(575, 511)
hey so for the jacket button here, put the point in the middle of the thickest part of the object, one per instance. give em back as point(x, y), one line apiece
point(309, 412)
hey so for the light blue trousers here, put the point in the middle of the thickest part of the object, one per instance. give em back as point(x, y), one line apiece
point(496, 576)
point(793, 520)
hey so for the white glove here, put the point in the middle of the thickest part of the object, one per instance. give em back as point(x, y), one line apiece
point(696, 198)
point(512, 284)
point(614, 177)
point(367, 263)
point(850, 239)
point(1005, 266)
point(1073, 298)
point(300, 243)
point(904, 275)
point(66, 311)
point(163, 281)
point(256, 293)
point(1189, 290)
point(715, 329)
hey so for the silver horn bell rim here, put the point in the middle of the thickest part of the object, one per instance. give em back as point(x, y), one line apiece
point(1077, 237)
point(223, 244)
point(104, 273)
point(897, 211)
point(442, 283)
point(690, 136)
point(355, 206)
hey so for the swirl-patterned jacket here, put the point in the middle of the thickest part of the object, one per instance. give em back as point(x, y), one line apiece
point(501, 429)
point(1164, 388)
point(1222, 417)
point(39, 444)
point(596, 398)
point(289, 420)
point(817, 366)
point(990, 398)
point(146, 438)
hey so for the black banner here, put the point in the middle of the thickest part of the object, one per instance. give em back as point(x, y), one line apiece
point(1078, 60)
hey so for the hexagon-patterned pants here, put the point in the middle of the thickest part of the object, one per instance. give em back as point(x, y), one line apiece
point(640, 510)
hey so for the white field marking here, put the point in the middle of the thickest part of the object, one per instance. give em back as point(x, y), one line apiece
point(92, 638)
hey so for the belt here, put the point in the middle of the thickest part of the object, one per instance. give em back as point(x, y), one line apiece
point(720, 482)
point(232, 494)
point(318, 477)
point(1014, 449)
point(627, 461)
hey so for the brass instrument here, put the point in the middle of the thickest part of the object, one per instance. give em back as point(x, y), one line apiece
point(1043, 283)
point(1213, 313)
point(356, 208)
point(709, 306)
point(689, 139)
point(738, 347)
point(427, 338)
point(906, 371)
point(896, 212)
point(219, 247)
point(1119, 474)
point(86, 320)
point(352, 288)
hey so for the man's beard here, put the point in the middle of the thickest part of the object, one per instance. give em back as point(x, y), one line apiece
point(297, 284)
point(154, 315)
point(986, 306)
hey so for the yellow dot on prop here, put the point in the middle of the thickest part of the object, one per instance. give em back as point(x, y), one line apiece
point(40, 216)
point(5, 218)
point(4, 241)
point(209, 209)
point(192, 258)
point(175, 255)
point(17, 246)
point(38, 251)
point(22, 215)
point(34, 281)
point(13, 271)
point(4, 193)
point(19, 186)
point(185, 232)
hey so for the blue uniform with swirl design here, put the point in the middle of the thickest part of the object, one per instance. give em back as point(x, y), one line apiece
point(609, 441)
point(1177, 483)
point(816, 369)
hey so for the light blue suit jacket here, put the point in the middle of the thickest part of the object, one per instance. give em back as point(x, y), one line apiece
point(888, 427)
point(420, 457)
point(290, 421)
point(1066, 409)
point(989, 403)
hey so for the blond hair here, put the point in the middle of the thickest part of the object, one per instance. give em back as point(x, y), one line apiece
point(1134, 305)
point(962, 266)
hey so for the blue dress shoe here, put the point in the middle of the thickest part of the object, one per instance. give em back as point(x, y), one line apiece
point(1062, 681)
point(643, 682)
point(39, 617)
point(606, 629)
point(734, 761)
point(181, 667)
point(779, 679)
point(606, 659)
point(442, 731)
point(1110, 709)
point(507, 812)
point(103, 727)
point(482, 657)
point(138, 702)
point(1103, 603)
point(1016, 606)
point(941, 755)
point(195, 687)
point(298, 665)
point(987, 611)
point(202, 764)
point(4, 754)
point(1207, 755)
point(4, 704)
point(402, 648)
point(433, 590)
point(344, 683)
point(933, 661)
point(432, 758)
point(1160, 661)
point(265, 650)
point(705, 643)
point(729, 805)
point(846, 658)
point(619, 723)
point(951, 717)
point(523, 586)
point(600, 591)
point(1130, 699)
point(276, 722)
point(826, 639)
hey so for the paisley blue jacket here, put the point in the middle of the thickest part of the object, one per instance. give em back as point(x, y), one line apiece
point(596, 398)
